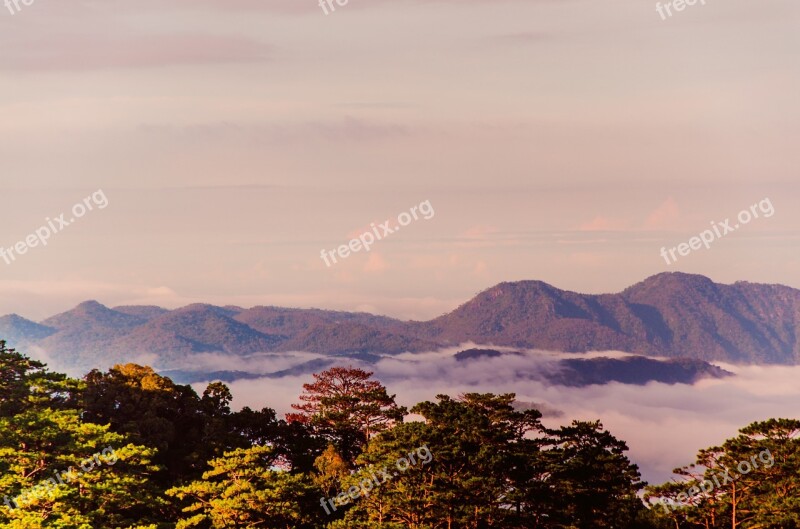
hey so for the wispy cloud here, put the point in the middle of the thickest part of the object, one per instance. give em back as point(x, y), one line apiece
point(80, 52)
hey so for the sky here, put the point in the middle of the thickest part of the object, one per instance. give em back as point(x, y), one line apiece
point(232, 141)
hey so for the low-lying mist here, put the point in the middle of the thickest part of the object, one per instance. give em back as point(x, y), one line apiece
point(664, 425)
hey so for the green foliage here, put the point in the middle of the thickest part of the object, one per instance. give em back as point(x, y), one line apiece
point(749, 481)
point(152, 410)
point(48, 474)
point(493, 466)
point(588, 470)
point(27, 384)
point(182, 460)
point(332, 470)
point(187, 430)
point(243, 490)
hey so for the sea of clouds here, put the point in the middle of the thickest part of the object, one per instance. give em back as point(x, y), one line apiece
point(664, 425)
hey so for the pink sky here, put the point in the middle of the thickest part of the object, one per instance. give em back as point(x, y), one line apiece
point(561, 140)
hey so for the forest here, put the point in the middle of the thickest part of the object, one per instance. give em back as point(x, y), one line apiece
point(128, 448)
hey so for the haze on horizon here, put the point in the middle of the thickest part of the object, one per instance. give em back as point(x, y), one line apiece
point(560, 141)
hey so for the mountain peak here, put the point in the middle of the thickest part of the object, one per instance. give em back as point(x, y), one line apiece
point(16, 329)
point(91, 305)
point(92, 314)
point(674, 284)
point(15, 318)
point(678, 277)
point(513, 293)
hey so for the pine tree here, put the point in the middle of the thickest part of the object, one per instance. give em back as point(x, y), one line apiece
point(243, 490)
point(346, 408)
point(57, 471)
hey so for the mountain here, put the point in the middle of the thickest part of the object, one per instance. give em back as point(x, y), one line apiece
point(636, 370)
point(15, 328)
point(145, 312)
point(581, 372)
point(293, 322)
point(741, 323)
point(669, 314)
point(672, 315)
point(333, 332)
point(194, 329)
point(355, 338)
point(86, 333)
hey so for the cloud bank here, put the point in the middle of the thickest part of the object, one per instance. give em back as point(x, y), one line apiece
point(664, 425)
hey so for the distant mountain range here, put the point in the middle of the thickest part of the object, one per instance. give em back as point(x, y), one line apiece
point(673, 315)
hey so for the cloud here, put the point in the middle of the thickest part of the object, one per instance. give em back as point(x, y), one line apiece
point(601, 223)
point(525, 37)
point(375, 263)
point(50, 36)
point(92, 51)
point(664, 425)
point(333, 131)
point(284, 7)
point(664, 217)
point(257, 363)
point(479, 236)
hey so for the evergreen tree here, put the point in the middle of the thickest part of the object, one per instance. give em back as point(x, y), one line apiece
point(57, 471)
point(243, 490)
point(749, 481)
point(345, 407)
point(591, 484)
point(27, 384)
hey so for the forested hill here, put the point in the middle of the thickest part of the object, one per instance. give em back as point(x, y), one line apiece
point(670, 314)
point(130, 449)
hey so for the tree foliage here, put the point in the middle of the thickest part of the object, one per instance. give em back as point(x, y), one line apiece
point(346, 407)
point(243, 490)
point(346, 460)
point(750, 481)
